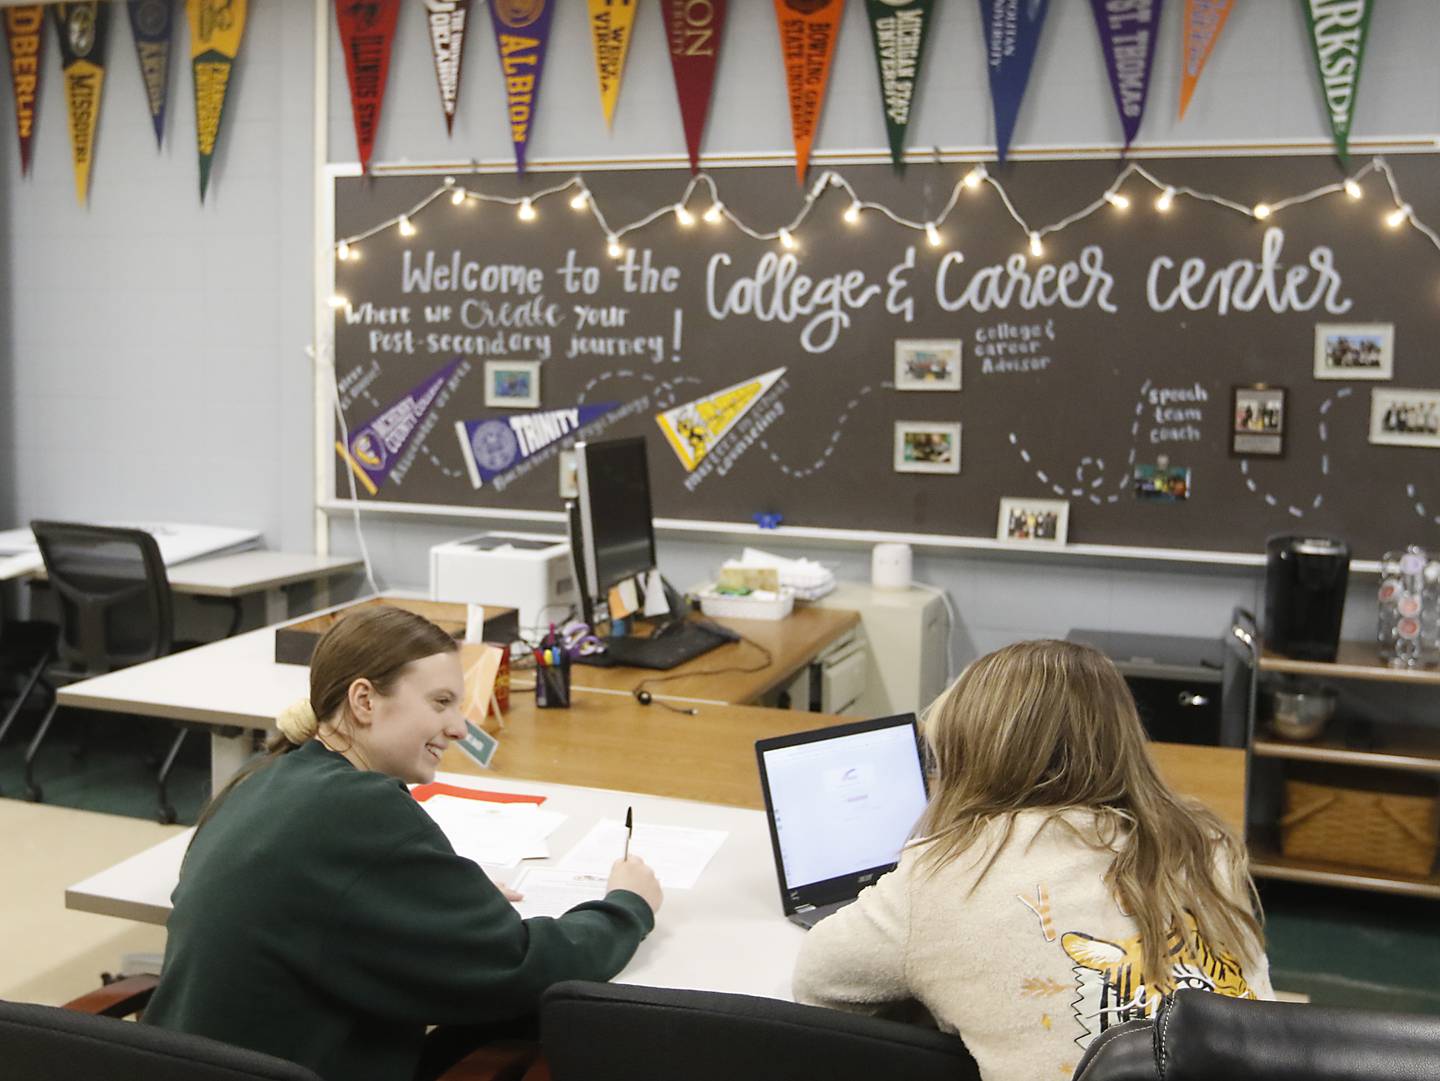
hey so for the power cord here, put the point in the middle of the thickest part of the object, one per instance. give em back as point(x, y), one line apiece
point(318, 356)
point(949, 630)
point(645, 698)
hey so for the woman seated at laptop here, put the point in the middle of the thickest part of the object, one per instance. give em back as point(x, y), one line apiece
point(321, 915)
point(1055, 886)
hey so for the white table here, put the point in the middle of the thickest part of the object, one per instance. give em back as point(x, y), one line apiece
point(177, 541)
point(242, 573)
point(726, 934)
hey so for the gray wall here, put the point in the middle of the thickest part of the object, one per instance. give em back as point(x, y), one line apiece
point(119, 318)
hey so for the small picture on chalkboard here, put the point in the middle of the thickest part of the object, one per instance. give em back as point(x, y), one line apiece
point(1354, 350)
point(1034, 521)
point(513, 384)
point(1405, 418)
point(923, 446)
point(569, 476)
point(927, 364)
point(1258, 414)
point(1162, 482)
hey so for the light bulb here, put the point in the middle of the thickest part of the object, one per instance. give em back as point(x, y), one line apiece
point(526, 211)
point(614, 248)
point(717, 209)
point(1036, 248)
point(407, 227)
point(337, 301)
point(1118, 201)
point(457, 196)
point(1353, 189)
point(975, 176)
point(343, 251)
point(932, 234)
point(684, 217)
point(1261, 211)
point(1396, 217)
point(787, 241)
point(580, 199)
point(1165, 201)
point(852, 214)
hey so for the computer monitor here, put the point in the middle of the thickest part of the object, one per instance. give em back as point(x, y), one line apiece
point(617, 534)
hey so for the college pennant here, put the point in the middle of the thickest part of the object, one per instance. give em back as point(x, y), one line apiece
point(384, 447)
point(150, 25)
point(808, 29)
point(216, 27)
point(495, 446)
point(694, 428)
point(1128, 33)
point(25, 37)
point(1012, 31)
point(1338, 29)
point(1204, 19)
point(611, 22)
point(692, 32)
point(522, 30)
point(897, 28)
point(367, 29)
point(446, 20)
point(82, 31)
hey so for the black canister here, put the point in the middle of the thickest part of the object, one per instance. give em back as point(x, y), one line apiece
point(1305, 580)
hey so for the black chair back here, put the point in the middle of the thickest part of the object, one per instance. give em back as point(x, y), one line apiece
point(47, 1043)
point(615, 1032)
point(113, 594)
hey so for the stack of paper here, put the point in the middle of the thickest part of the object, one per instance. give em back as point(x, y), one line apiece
point(809, 580)
point(497, 835)
point(550, 891)
point(676, 854)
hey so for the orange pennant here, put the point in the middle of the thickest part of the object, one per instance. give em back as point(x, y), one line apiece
point(808, 30)
point(1204, 19)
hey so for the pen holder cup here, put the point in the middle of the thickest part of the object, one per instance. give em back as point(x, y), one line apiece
point(552, 686)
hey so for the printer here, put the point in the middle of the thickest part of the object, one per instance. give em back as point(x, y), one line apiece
point(530, 572)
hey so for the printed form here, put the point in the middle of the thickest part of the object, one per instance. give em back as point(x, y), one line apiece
point(676, 854)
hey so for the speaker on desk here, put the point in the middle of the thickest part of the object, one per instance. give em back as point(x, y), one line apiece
point(1305, 580)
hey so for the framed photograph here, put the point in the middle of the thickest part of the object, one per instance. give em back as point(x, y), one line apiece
point(1354, 350)
point(926, 364)
point(1405, 418)
point(924, 446)
point(1033, 521)
point(1162, 482)
point(1257, 421)
point(512, 384)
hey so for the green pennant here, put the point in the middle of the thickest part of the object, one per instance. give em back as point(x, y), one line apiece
point(1338, 29)
point(897, 30)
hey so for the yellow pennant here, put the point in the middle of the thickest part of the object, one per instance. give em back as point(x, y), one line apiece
point(216, 27)
point(694, 428)
point(610, 24)
point(82, 29)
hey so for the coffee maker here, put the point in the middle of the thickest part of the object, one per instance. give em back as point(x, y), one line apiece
point(1305, 580)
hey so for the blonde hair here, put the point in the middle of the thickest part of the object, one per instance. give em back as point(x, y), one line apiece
point(1052, 726)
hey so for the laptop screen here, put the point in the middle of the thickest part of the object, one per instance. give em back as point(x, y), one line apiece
point(842, 800)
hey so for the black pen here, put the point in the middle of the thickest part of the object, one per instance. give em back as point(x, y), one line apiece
point(629, 829)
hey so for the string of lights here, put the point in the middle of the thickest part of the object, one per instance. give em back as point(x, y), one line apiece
point(581, 198)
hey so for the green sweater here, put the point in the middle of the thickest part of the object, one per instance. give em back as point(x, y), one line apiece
point(321, 916)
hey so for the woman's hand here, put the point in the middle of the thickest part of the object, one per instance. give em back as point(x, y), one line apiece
point(508, 893)
point(634, 874)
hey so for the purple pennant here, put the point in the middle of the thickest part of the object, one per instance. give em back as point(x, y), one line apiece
point(1129, 30)
point(493, 446)
point(522, 30)
point(150, 24)
point(1011, 29)
point(384, 446)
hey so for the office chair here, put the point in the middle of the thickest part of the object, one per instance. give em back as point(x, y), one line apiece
point(1201, 1036)
point(615, 1032)
point(115, 611)
point(26, 648)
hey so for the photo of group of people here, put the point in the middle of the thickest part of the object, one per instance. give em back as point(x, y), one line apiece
point(1259, 420)
point(1354, 351)
point(1407, 418)
point(1034, 521)
point(926, 447)
point(925, 364)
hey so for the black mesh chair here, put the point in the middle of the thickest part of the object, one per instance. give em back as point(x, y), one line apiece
point(26, 648)
point(115, 610)
point(614, 1032)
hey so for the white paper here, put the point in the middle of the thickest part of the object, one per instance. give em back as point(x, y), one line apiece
point(549, 891)
point(676, 854)
point(655, 602)
point(494, 834)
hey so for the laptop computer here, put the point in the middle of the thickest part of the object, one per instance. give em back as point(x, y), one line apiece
point(842, 801)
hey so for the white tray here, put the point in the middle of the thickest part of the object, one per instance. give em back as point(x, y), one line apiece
point(727, 606)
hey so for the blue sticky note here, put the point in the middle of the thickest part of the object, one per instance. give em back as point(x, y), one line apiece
point(479, 744)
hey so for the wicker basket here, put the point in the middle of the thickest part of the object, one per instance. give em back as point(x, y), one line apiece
point(1363, 818)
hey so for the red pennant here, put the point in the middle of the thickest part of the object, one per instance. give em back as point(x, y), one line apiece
point(25, 34)
point(693, 32)
point(367, 30)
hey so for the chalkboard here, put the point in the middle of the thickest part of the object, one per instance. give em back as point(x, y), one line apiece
point(766, 381)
